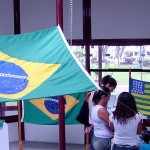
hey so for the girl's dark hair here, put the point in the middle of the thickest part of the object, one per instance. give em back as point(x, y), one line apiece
point(146, 137)
point(126, 108)
point(109, 80)
point(98, 94)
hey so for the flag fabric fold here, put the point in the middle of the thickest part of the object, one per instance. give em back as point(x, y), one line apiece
point(141, 92)
point(40, 64)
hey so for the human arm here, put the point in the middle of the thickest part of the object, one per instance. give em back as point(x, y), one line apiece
point(139, 134)
point(111, 121)
point(103, 114)
point(111, 125)
point(140, 120)
point(139, 128)
point(87, 96)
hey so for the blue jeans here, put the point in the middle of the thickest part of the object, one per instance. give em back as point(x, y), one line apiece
point(91, 137)
point(121, 147)
point(101, 143)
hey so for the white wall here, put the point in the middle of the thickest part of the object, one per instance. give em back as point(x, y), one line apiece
point(120, 19)
point(13, 132)
point(37, 15)
point(47, 133)
point(4, 140)
point(50, 133)
point(6, 17)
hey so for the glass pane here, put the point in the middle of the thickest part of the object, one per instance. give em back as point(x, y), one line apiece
point(11, 113)
point(94, 57)
point(134, 57)
point(120, 57)
point(94, 75)
point(8, 109)
point(11, 103)
point(79, 51)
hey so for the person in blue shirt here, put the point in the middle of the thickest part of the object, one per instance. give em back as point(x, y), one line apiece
point(140, 138)
point(146, 139)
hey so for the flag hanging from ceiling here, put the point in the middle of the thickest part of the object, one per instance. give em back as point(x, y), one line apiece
point(40, 64)
point(45, 110)
point(141, 92)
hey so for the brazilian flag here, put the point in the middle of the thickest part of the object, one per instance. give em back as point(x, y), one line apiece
point(46, 111)
point(40, 64)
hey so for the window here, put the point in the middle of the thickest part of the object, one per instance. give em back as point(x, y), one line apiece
point(8, 109)
point(116, 61)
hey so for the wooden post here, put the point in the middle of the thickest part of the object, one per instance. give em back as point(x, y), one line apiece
point(17, 30)
point(19, 125)
point(59, 15)
point(129, 73)
point(62, 139)
point(87, 141)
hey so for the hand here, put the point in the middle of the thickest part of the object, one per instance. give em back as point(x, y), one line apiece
point(88, 129)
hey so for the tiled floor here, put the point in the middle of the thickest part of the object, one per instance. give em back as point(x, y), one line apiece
point(44, 146)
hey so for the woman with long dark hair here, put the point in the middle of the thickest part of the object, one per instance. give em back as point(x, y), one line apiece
point(101, 139)
point(126, 122)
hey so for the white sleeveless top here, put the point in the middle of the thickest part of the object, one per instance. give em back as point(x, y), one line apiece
point(126, 134)
point(101, 129)
point(90, 104)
